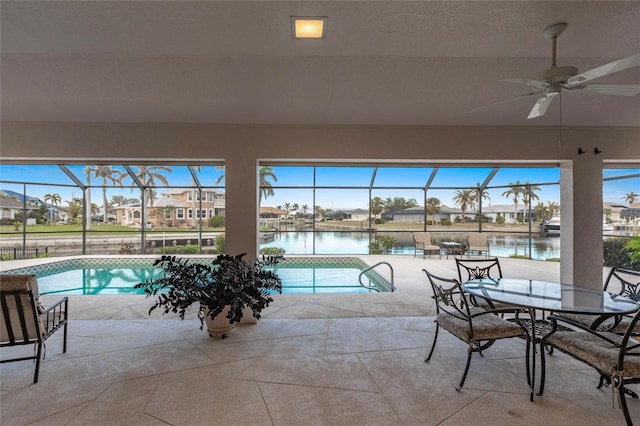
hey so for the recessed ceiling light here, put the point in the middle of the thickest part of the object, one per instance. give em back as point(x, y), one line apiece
point(309, 26)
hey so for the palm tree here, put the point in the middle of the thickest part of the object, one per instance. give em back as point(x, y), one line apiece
point(433, 207)
point(75, 208)
point(265, 186)
point(631, 197)
point(377, 206)
point(552, 207)
point(540, 210)
point(481, 194)
point(287, 206)
point(305, 207)
point(149, 175)
point(515, 190)
point(528, 188)
point(466, 200)
point(55, 199)
point(107, 174)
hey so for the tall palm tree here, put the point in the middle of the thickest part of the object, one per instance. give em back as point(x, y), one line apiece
point(433, 207)
point(106, 173)
point(525, 195)
point(515, 191)
point(466, 200)
point(266, 189)
point(55, 199)
point(481, 194)
point(149, 176)
point(631, 197)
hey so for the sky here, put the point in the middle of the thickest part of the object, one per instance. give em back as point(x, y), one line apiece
point(293, 182)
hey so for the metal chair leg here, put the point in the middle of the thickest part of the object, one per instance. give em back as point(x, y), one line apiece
point(433, 346)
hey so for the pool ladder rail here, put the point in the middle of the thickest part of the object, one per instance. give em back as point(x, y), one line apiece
point(370, 287)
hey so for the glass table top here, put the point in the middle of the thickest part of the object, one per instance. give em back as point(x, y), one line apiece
point(550, 296)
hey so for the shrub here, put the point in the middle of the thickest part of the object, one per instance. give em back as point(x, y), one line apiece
point(220, 239)
point(518, 256)
point(382, 245)
point(216, 222)
point(622, 253)
point(445, 222)
point(272, 250)
point(186, 249)
point(500, 219)
point(128, 248)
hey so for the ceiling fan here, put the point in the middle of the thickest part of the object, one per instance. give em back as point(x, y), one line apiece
point(550, 82)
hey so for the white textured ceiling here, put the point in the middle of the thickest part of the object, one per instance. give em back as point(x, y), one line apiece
point(382, 63)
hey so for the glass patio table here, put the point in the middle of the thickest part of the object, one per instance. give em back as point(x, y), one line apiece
point(533, 295)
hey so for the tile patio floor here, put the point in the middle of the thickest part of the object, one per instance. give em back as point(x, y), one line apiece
point(311, 360)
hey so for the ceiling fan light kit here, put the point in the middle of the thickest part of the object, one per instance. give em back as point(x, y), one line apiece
point(552, 81)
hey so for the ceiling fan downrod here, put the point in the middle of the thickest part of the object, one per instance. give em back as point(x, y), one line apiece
point(552, 32)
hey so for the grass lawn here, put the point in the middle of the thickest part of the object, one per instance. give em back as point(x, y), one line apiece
point(97, 229)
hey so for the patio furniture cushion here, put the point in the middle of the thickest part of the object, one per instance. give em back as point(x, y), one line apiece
point(596, 351)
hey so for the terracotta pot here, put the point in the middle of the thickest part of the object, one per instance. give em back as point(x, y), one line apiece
point(219, 326)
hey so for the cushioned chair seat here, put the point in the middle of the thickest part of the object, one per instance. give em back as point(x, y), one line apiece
point(596, 352)
point(487, 326)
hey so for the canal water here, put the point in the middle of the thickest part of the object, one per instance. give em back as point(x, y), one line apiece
point(541, 247)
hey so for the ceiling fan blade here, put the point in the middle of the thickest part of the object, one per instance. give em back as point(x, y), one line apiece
point(540, 108)
point(610, 68)
point(503, 101)
point(609, 89)
point(536, 84)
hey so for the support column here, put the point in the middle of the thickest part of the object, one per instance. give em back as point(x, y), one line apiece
point(581, 229)
point(241, 209)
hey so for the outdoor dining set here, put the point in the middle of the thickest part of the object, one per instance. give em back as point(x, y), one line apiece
point(600, 328)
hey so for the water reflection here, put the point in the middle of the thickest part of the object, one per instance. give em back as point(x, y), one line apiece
point(334, 242)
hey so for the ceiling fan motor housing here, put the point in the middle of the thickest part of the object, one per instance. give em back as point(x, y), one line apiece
point(556, 75)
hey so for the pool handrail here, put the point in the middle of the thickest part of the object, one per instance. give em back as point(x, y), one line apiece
point(368, 287)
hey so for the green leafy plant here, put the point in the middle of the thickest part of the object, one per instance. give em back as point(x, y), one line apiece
point(220, 240)
point(226, 281)
point(272, 250)
point(382, 245)
point(622, 253)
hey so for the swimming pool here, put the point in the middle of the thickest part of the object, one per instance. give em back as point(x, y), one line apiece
point(93, 276)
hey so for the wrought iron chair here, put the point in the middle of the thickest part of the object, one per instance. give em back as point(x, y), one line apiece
point(25, 321)
point(614, 356)
point(422, 241)
point(477, 243)
point(478, 327)
point(625, 282)
point(470, 269)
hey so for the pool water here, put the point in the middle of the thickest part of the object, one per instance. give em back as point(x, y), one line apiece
point(119, 276)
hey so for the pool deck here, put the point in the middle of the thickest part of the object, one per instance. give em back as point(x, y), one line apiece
point(314, 359)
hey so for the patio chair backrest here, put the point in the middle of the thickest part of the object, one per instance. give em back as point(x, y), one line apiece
point(423, 238)
point(477, 239)
point(625, 282)
point(469, 269)
point(21, 322)
point(449, 297)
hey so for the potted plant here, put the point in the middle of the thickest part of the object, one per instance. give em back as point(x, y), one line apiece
point(223, 288)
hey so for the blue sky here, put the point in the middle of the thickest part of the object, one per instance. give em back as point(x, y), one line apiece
point(292, 180)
